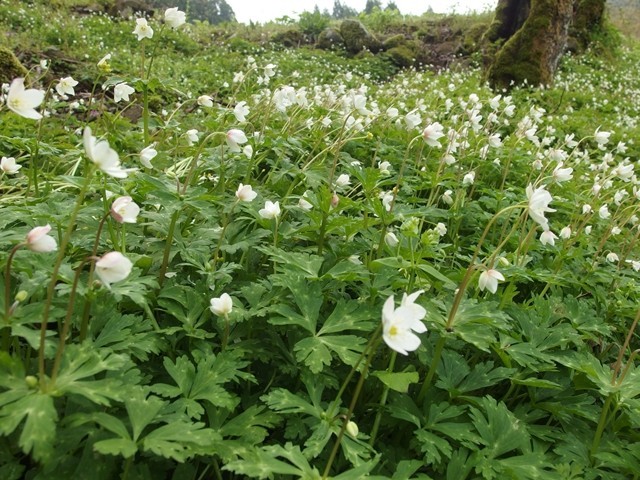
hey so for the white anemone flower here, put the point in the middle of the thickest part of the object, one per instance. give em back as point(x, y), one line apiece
point(270, 211)
point(400, 325)
point(100, 153)
point(174, 17)
point(143, 29)
point(489, 280)
point(222, 305)
point(539, 200)
point(24, 101)
point(235, 138)
point(38, 240)
point(113, 267)
point(125, 210)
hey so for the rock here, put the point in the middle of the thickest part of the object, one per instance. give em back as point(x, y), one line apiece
point(394, 41)
point(330, 38)
point(127, 8)
point(289, 38)
point(10, 66)
point(357, 37)
point(402, 56)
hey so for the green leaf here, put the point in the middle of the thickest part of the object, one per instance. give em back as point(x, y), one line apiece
point(294, 262)
point(398, 381)
point(349, 316)
point(500, 431)
point(116, 446)
point(39, 430)
point(282, 400)
point(179, 440)
point(142, 411)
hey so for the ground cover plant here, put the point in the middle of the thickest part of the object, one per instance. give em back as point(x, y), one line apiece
point(273, 264)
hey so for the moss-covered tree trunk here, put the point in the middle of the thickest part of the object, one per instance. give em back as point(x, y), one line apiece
point(531, 35)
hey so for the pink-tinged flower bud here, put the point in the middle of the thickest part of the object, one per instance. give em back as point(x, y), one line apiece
point(39, 241)
point(335, 200)
point(125, 210)
point(113, 267)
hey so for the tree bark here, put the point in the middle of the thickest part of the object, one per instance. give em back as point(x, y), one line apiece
point(531, 36)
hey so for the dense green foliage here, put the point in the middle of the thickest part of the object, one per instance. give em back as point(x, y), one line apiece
point(244, 339)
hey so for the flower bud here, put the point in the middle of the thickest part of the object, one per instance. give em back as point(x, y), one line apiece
point(21, 296)
point(31, 381)
point(352, 429)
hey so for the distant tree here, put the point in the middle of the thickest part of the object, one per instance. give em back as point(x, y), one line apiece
point(341, 11)
point(213, 11)
point(371, 4)
point(391, 6)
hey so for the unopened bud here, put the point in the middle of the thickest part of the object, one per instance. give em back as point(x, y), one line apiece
point(21, 296)
point(31, 381)
point(352, 429)
point(335, 200)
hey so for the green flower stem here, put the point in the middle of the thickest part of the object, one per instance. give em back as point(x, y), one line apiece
point(383, 402)
point(145, 113)
point(435, 361)
point(6, 335)
point(67, 321)
point(194, 162)
point(167, 247)
point(56, 269)
point(456, 303)
point(84, 324)
point(352, 406)
point(600, 428)
point(225, 337)
point(225, 224)
point(627, 341)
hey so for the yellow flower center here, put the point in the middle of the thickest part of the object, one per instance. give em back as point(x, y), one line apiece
point(393, 331)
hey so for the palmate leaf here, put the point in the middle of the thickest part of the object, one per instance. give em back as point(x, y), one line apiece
point(81, 363)
point(398, 381)
point(294, 263)
point(39, 430)
point(264, 463)
point(499, 429)
point(455, 376)
point(479, 323)
point(315, 351)
point(128, 333)
point(179, 440)
point(204, 380)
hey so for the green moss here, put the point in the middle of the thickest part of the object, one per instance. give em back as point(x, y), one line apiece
point(357, 37)
point(394, 41)
point(289, 38)
point(402, 56)
point(10, 66)
point(330, 38)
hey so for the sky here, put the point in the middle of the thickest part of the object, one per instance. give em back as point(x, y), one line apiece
point(265, 10)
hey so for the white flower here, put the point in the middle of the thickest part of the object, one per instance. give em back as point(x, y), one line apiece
point(562, 174)
point(612, 257)
point(468, 179)
point(495, 141)
point(113, 267)
point(547, 237)
point(100, 153)
point(303, 203)
point(391, 239)
point(601, 137)
point(103, 64)
point(441, 229)
point(270, 211)
point(23, 102)
point(412, 119)
point(122, 91)
point(143, 30)
point(603, 212)
point(565, 233)
point(586, 208)
point(147, 154)
point(39, 241)
point(270, 70)
point(248, 151)
point(343, 181)
point(384, 167)
point(235, 138)
point(245, 193)
point(432, 134)
point(222, 305)
point(587, 230)
point(489, 280)
point(392, 112)
point(192, 136)
point(539, 200)
point(205, 101)
point(387, 199)
point(174, 17)
point(634, 264)
point(399, 324)
point(447, 198)
point(615, 230)
point(65, 86)
point(9, 166)
point(125, 210)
